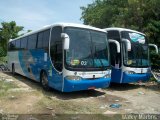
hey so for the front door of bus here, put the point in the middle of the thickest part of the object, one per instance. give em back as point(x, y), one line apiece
point(116, 66)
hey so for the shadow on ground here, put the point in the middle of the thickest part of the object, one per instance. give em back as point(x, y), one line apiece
point(152, 85)
point(123, 87)
point(52, 92)
point(82, 94)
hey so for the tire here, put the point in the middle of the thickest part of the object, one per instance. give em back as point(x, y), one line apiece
point(13, 69)
point(44, 81)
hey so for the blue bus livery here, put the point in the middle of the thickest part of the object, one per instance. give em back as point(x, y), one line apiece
point(64, 56)
point(132, 64)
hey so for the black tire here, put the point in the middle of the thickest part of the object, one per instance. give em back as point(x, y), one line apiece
point(13, 69)
point(44, 81)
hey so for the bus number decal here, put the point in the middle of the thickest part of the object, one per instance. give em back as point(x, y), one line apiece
point(84, 63)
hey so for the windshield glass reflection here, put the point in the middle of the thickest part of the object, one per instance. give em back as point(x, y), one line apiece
point(88, 49)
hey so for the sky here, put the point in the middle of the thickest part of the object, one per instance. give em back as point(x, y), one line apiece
point(34, 14)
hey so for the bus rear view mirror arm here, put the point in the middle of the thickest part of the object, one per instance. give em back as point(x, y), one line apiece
point(66, 41)
point(155, 46)
point(128, 44)
point(117, 44)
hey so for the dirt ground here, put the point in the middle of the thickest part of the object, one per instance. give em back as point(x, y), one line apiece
point(20, 95)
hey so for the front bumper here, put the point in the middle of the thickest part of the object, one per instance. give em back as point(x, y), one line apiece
point(85, 84)
point(128, 78)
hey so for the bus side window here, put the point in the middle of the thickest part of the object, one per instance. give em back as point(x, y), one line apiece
point(114, 34)
point(18, 44)
point(113, 50)
point(56, 50)
point(43, 39)
point(32, 41)
point(40, 40)
point(115, 57)
point(46, 38)
point(24, 43)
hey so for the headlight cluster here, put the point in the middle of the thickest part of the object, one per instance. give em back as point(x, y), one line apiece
point(72, 77)
point(129, 72)
point(107, 76)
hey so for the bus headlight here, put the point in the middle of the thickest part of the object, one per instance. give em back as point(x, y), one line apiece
point(107, 76)
point(129, 72)
point(72, 77)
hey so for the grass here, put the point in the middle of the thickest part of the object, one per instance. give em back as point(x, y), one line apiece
point(3, 60)
point(5, 86)
point(152, 79)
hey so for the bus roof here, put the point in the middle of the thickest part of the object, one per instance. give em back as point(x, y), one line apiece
point(122, 29)
point(60, 24)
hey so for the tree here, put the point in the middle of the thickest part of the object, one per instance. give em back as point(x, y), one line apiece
point(9, 30)
point(140, 15)
point(104, 13)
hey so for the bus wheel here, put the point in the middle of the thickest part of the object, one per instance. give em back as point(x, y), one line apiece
point(13, 69)
point(44, 81)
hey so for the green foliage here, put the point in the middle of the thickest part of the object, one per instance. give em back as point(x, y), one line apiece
point(25, 33)
point(140, 15)
point(3, 60)
point(155, 60)
point(9, 30)
point(2, 52)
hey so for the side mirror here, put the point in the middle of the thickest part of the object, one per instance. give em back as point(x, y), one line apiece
point(117, 44)
point(66, 41)
point(155, 46)
point(128, 44)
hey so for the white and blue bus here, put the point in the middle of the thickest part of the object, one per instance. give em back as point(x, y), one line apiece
point(67, 57)
point(132, 64)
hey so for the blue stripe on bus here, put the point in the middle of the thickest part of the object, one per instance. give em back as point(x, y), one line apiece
point(37, 62)
point(116, 75)
point(128, 78)
point(23, 63)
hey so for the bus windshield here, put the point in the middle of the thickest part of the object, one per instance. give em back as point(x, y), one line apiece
point(88, 49)
point(139, 54)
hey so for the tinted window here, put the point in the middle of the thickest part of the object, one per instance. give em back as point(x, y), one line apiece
point(40, 40)
point(114, 35)
point(46, 38)
point(24, 43)
point(32, 40)
point(18, 44)
point(12, 45)
point(43, 39)
point(56, 48)
point(115, 57)
point(134, 37)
